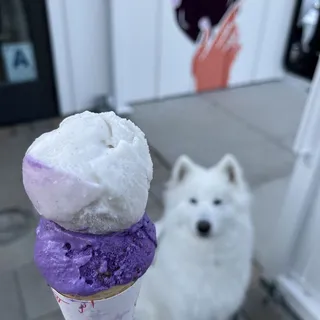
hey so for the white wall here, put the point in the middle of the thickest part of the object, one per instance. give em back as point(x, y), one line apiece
point(134, 44)
point(79, 37)
point(151, 58)
point(176, 52)
point(251, 21)
point(274, 39)
point(306, 262)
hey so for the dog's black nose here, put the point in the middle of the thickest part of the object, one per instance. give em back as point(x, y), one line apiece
point(204, 227)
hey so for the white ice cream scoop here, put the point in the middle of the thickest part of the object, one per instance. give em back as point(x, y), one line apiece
point(91, 175)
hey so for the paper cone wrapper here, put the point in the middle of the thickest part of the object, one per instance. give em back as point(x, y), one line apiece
point(115, 304)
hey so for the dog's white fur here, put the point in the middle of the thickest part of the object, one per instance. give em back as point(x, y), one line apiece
point(196, 277)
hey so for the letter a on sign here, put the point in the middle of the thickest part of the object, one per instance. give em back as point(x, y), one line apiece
point(19, 62)
point(20, 59)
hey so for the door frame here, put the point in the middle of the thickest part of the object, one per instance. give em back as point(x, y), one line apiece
point(304, 180)
point(35, 99)
point(82, 53)
point(302, 190)
point(61, 53)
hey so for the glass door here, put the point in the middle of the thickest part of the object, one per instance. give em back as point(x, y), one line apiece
point(304, 40)
point(27, 90)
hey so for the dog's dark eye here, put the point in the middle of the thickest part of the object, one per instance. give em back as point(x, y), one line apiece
point(193, 201)
point(217, 202)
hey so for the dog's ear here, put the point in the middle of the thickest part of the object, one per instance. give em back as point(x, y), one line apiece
point(181, 169)
point(231, 168)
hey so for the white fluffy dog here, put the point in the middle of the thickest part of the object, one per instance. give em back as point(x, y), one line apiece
point(203, 263)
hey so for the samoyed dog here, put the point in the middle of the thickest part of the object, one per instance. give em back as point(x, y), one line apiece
point(202, 266)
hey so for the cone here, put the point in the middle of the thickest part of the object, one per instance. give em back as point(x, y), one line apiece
point(117, 303)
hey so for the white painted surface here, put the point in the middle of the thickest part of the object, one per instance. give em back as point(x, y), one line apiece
point(292, 255)
point(292, 252)
point(301, 190)
point(257, 59)
point(61, 56)
point(280, 248)
point(175, 59)
point(87, 28)
point(134, 43)
point(78, 30)
point(273, 40)
point(251, 22)
point(306, 262)
point(303, 304)
point(307, 141)
point(152, 58)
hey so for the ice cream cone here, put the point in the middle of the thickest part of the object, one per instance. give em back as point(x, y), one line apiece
point(101, 295)
point(117, 303)
point(89, 179)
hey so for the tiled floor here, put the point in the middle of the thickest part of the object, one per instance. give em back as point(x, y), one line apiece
point(257, 124)
point(210, 125)
point(268, 201)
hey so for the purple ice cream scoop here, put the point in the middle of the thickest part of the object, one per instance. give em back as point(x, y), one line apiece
point(85, 264)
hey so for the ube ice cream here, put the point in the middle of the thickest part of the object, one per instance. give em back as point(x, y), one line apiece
point(85, 264)
point(89, 180)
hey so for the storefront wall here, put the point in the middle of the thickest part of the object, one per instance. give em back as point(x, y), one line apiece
point(149, 49)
